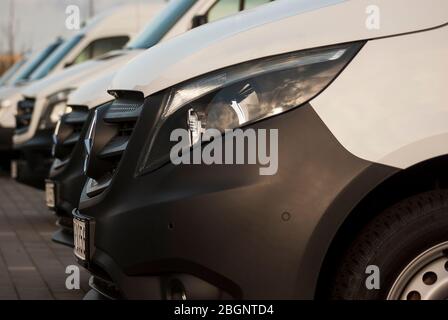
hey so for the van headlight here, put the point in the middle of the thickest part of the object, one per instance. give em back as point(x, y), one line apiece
point(5, 103)
point(242, 94)
point(56, 108)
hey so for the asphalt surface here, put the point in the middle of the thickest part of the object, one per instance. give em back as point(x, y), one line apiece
point(31, 265)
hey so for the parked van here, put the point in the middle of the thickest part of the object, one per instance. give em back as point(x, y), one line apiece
point(100, 38)
point(66, 176)
point(346, 128)
point(34, 141)
point(9, 91)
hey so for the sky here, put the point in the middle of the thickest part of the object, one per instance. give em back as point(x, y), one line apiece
point(38, 22)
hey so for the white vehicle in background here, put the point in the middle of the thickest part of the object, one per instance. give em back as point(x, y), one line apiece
point(44, 102)
point(12, 70)
point(108, 31)
point(23, 75)
point(66, 177)
point(17, 76)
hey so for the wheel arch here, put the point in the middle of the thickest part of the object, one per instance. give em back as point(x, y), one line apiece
point(377, 188)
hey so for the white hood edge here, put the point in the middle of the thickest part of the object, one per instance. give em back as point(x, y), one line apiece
point(74, 76)
point(94, 92)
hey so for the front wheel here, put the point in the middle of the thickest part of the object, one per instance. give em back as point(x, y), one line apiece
point(405, 247)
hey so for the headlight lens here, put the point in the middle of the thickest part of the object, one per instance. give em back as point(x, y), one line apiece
point(57, 112)
point(245, 93)
point(56, 108)
point(5, 103)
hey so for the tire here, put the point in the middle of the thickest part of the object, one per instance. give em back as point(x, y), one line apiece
point(392, 241)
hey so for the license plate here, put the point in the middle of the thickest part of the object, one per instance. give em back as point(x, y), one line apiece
point(50, 194)
point(81, 237)
point(14, 171)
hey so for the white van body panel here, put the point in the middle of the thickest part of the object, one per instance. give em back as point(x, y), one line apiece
point(394, 106)
point(242, 37)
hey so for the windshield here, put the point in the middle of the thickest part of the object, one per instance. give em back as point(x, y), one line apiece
point(11, 71)
point(161, 24)
point(56, 57)
point(35, 62)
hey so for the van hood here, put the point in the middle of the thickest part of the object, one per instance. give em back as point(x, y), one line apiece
point(6, 92)
point(74, 76)
point(94, 92)
point(275, 28)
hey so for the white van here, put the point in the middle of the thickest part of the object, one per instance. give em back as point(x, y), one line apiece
point(44, 102)
point(108, 31)
point(10, 84)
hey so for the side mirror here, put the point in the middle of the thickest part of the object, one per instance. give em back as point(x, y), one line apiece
point(199, 21)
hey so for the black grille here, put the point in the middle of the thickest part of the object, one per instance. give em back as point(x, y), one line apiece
point(25, 110)
point(68, 132)
point(113, 129)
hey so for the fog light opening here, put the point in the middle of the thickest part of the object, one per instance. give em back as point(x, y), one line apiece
point(176, 291)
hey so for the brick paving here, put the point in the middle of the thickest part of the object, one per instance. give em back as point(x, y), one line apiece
point(31, 265)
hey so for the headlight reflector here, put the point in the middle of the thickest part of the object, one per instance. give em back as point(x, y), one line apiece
point(55, 109)
point(5, 103)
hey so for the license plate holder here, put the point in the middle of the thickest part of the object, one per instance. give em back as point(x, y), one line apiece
point(50, 194)
point(83, 235)
point(14, 169)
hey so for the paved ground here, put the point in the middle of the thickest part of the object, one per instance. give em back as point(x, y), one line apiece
point(31, 265)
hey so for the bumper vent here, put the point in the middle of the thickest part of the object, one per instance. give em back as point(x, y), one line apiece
point(68, 132)
point(25, 110)
point(111, 133)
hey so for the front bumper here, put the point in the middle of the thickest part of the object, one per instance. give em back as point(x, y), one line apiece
point(35, 159)
point(224, 231)
point(6, 138)
point(68, 178)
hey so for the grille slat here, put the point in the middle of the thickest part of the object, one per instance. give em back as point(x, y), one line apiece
point(72, 139)
point(77, 117)
point(113, 131)
point(115, 147)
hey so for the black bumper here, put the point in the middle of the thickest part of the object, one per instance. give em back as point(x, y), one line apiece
point(35, 159)
point(6, 139)
point(69, 179)
point(224, 231)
